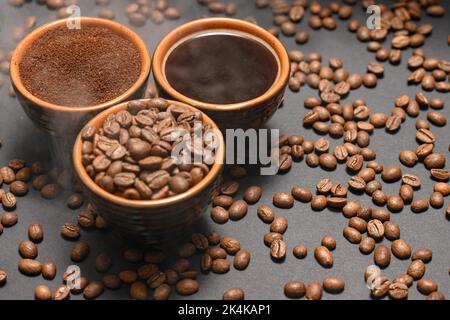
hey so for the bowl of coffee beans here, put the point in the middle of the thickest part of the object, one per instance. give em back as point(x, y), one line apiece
point(150, 166)
point(68, 70)
point(233, 70)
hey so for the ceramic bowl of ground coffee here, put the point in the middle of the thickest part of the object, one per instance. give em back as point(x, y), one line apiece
point(129, 161)
point(63, 75)
point(233, 70)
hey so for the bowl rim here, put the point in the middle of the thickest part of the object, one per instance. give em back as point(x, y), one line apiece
point(195, 26)
point(87, 181)
point(112, 25)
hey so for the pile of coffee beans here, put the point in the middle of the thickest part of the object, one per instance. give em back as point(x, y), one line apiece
point(219, 7)
point(130, 155)
point(430, 73)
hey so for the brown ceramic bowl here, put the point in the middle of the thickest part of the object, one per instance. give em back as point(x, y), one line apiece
point(66, 121)
point(150, 222)
point(248, 114)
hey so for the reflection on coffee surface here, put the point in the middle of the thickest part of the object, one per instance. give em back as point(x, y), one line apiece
point(221, 67)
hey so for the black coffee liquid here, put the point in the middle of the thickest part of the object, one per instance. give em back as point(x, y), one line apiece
point(221, 67)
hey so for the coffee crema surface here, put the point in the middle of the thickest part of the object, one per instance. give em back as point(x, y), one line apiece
point(80, 67)
point(221, 67)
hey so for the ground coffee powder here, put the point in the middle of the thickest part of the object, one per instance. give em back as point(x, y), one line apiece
point(80, 67)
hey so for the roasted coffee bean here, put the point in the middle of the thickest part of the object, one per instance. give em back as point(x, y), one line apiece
point(75, 201)
point(437, 118)
point(93, 290)
point(252, 194)
point(28, 249)
point(3, 277)
point(18, 188)
point(436, 200)
point(436, 295)
point(355, 162)
point(398, 291)
point(424, 150)
point(323, 257)
point(223, 201)
point(416, 269)
point(35, 232)
point(79, 251)
point(324, 186)
point(234, 294)
point(419, 205)
point(241, 259)
point(408, 158)
point(130, 276)
point(30, 267)
point(265, 213)
point(443, 188)
point(61, 293)
point(138, 291)
point(425, 136)
point(314, 291)
point(382, 256)
point(358, 224)
point(423, 254)
point(357, 183)
point(395, 203)
point(111, 281)
point(440, 174)
point(401, 249)
point(86, 219)
point(8, 201)
point(352, 235)
point(329, 242)
point(391, 230)
point(406, 193)
point(375, 229)
point(283, 200)
point(103, 262)
point(434, 160)
point(219, 214)
point(301, 194)
point(50, 191)
point(187, 287)
point(300, 251)
point(238, 210)
point(427, 286)
point(279, 225)
point(351, 209)
point(49, 270)
point(333, 285)
point(319, 203)
point(391, 174)
point(278, 249)
point(367, 245)
point(9, 219)
point(220, 266)
point(231, 245)
point(42, 292)
point(404, 279)
point(295, 289)
point(70, 231)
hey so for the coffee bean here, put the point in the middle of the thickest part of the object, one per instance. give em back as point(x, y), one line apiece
point(319, 203)
point(28, 249)
point(50, 191)
point(443, 188)
point(357, 183)
point(434, 160)
point(219, 214)
point(30, 267)
point(283, 200)
point(323, 257)
point(49, 270)
point(401, 249)
point(18, 188)
point(93, 290)
point(355, 162)
point(358, 224)
point(111, 281)
point(130, 276)
point(398, 291)
point(352, 235)
point(238, 210)
point(278, 249)
point(436, 295)
point(300, 251)
point(9, 219)
point(391, 230)
point(3, 277)
point(220, 266)
point(187, 287)
point(436, 200)
point(440, 174)
point(79, 251)
point(75, 201)
point(391, 174)
point(329, 242)
point(301, 194)
point(425, 136)
point(61, 293)
point(70, 231)
point(367, 245)
point(382, 256)
point(231, 245)
point(333, 285)
point(408, 158)
point(252, 194)
point(295, 289)
point(265, 213)
point(419, 205)
point(241, 259)
point(279, 225)
point(423, 254)
point(35, 232)
point(375, 229)
point(427, 286)
point(314, 291)
point(8, 201)
point(42, 292)
point(234, 294)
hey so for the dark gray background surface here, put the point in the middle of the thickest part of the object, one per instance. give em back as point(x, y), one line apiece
point(263, 279)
